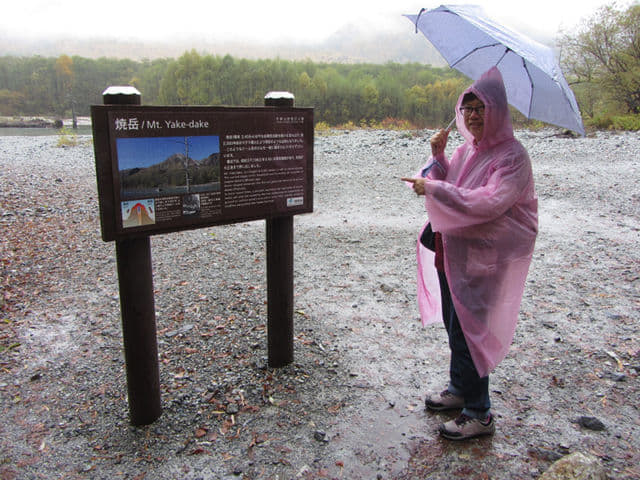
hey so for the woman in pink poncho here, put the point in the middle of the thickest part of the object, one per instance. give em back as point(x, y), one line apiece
point(482, 205)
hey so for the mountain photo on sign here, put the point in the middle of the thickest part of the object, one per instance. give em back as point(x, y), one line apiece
point(151, 167)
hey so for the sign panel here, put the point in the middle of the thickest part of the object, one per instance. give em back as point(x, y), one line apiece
point(164, 169)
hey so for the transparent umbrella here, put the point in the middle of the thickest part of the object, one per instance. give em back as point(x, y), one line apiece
point(472, 43)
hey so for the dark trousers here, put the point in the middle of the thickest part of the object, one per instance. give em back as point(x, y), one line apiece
point(464, 380)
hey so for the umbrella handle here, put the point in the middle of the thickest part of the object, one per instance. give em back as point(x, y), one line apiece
point(451, 124)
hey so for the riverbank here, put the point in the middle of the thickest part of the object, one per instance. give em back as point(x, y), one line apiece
point(30, 122)
point(42, 122)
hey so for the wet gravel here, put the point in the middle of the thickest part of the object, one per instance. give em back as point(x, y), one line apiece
point(351, 404)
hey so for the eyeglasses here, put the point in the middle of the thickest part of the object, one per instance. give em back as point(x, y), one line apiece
point(468, 110)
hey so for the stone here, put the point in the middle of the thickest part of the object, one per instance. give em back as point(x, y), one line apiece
point(320, 436)
point(576, 466)
point(591, 423)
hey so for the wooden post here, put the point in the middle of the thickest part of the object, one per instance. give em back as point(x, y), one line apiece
point(137, 307)
point(279, 272)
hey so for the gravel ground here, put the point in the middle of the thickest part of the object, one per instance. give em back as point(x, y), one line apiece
point(351, 404)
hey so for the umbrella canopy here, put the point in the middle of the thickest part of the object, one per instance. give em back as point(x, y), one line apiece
point(472, 43)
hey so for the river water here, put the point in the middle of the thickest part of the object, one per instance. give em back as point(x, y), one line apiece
point(35, 132)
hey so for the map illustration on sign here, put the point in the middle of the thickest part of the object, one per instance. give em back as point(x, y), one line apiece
point(138, 212)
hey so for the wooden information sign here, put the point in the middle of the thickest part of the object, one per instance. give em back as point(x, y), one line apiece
point(165, 169)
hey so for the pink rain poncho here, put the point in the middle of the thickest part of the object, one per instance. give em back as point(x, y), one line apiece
point(484, 204)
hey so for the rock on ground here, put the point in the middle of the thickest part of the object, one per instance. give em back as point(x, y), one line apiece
point(576, 466)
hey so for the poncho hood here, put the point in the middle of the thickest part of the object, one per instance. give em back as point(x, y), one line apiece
point(489, 88)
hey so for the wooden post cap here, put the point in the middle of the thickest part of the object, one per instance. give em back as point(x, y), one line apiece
point(279, 99)
point(121, 95)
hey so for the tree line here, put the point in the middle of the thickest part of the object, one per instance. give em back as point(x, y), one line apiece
point(601, 61)
point(339, 93)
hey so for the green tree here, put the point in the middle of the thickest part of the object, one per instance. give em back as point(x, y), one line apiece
point(369, 97)
point(11, 102)
point(602, 60)
point(64, 83)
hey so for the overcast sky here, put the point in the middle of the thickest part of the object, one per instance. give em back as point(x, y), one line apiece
point(269, 21)
point(144, 152)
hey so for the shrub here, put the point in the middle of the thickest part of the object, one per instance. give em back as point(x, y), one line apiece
point(322, 128)
point(626, 122)
point(390, 123)
point(67, 138)
point(603, 122)
point(348, 126)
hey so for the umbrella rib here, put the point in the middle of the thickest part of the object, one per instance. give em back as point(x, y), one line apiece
point(506, 50)
point(526, 69)
point(474, 51)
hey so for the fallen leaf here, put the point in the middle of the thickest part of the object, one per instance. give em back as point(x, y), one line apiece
point(616, 358)
point(198, 451)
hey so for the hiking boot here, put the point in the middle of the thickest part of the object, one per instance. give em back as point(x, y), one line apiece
point(443, 401)
point(465, 427)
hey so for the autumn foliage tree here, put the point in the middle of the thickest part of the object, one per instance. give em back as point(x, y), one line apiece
point(64, 85)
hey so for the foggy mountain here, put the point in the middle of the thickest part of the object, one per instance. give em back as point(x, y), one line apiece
point(351, 44)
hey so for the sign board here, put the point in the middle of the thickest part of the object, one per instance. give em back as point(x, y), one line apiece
point(166, 169)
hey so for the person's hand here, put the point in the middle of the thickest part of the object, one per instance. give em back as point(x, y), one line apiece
point(418, 184)
point(439, 142)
